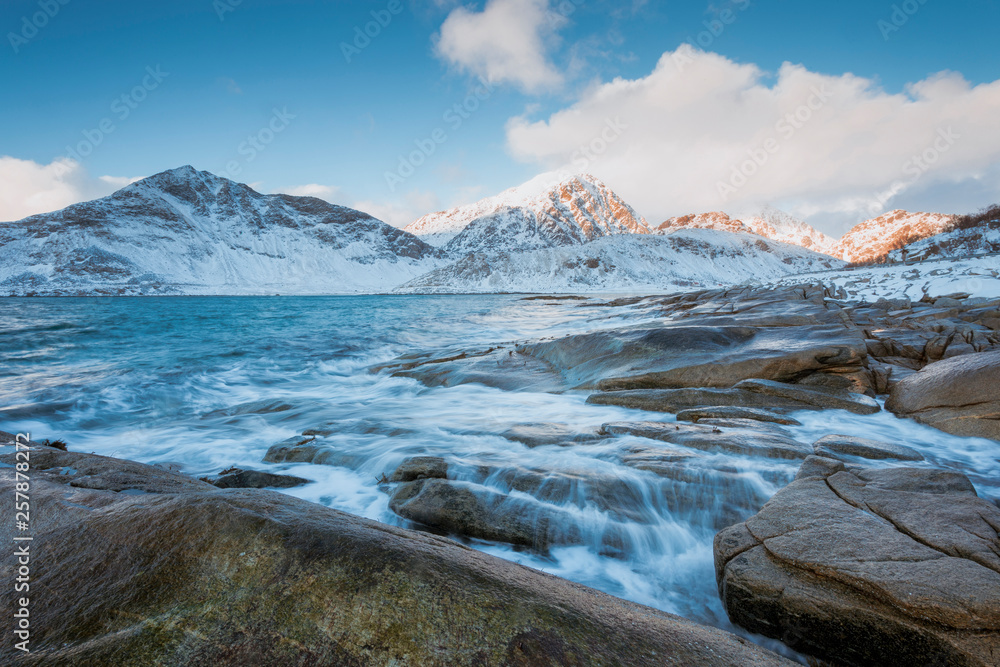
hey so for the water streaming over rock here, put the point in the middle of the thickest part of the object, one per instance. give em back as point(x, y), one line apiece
point(209, 383)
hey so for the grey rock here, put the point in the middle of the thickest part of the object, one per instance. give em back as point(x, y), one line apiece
point(460, 508)
point(257, 479)
point(837, 446)
point(420, 467)
point(734, 412)
point(548, 433)
point(905, 558)
point(743, 441)
point(205, 576)
point(833, 400)
point(956, 395)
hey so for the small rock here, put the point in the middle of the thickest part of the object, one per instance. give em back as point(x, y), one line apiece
point(734, 412)
point(420, 467)
point(257, 479)
point(547, 433)
point(836, 446)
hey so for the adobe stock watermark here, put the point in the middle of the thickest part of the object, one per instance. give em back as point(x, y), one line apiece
point(900, 16)
point(786, 128)
point(556, 15)
point(587, 154)
point(257, 143)
point(363, 35)
point(223, 7)
point(33, 23)
point(687, 52)
point(121, 108)
point(916, 166)
point(22, 541)
point(454, 117)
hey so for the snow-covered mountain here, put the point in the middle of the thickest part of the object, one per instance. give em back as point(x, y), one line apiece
point(780, 226)
point(627, 263)
point(715, 220)
point(982, 239)
point(768, 222)
point(190, 232)
point(548, 211)
point(875, 238)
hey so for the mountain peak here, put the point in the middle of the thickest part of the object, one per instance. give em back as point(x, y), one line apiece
point(876, 237)
point(552, 209)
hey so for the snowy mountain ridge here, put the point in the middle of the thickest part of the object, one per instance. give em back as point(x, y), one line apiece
point(566, 211)
point(768, 222)
point(876, 237)
point(683, 259)
point(188, 231)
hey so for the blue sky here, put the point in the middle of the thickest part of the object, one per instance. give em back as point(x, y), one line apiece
point(226, 67)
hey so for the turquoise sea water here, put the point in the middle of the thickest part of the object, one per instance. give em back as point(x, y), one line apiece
point(139, 379)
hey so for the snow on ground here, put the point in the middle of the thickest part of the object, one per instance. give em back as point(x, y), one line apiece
point(976, 276)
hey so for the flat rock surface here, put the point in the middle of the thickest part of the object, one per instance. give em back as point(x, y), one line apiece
point(188, 574)
point(836, 446)
point(907, 558)
point(959, 395)
point(767, 442)
point(734, 412)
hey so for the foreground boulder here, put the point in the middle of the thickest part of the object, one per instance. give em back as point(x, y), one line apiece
point(171, 571)
point(897, 566)
point(960, 396)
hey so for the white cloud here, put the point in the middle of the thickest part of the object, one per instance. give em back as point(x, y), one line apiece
point(401, 213)
point(508, 42)
point(28, 188)
point(327, 192)
point(699, 120)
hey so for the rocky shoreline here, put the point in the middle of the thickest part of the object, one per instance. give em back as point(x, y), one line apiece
point(145, 566)
point(871, 556)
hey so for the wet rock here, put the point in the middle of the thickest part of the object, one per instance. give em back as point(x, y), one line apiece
point(677, 400)
point(420, 467)
point(460, 508)
point(205, 576)
point(253, 408)
point(754, 394)
point(297, 449)
point(905, 558)
point(709, 339)
point(586, 489)
point(676, 356)
point(826, 399)
point(733, 412)
point(503, 367)
point(548, 433)
point(307, 449)
point(256, 479)
point(837, 446)
point(89, 471)
point(958, 396)
point(743, 441)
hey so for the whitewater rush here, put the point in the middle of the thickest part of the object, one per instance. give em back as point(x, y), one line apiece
point(22, 541)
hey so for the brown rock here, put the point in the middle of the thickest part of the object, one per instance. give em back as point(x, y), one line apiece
point(204, 576)
point(904, 558)
point(957, 395)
